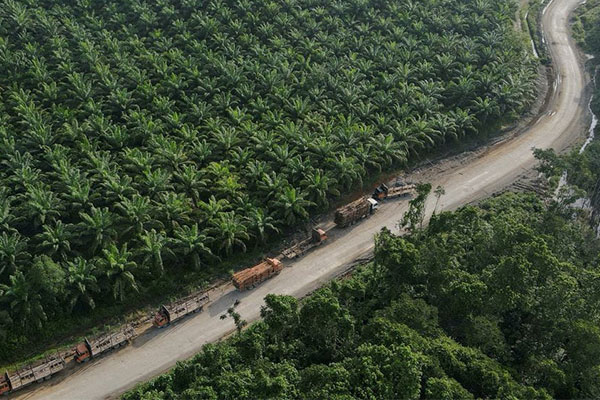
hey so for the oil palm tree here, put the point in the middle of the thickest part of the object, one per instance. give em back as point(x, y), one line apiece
point(153, 249)
point(56, 239)
point(229, 232)
point(119, 270)
point(191, 244)
point(97, 228)
point(319, 186)
point(137, 214)
point(42, 205)
point(261, 224)
point(24, 303)
point(81, 283)
point(13, 253)
point(292, 206)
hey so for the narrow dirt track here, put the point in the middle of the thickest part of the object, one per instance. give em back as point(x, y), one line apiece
point(498, 167)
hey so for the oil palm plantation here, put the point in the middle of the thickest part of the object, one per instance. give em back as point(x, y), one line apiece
point(214, 124)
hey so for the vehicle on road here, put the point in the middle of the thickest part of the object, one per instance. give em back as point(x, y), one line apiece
point(353, 212)
point(383, 192)
point(31, 373)
point(168, 314)
point(250, 277)
point(86, 350)
point(318, 236)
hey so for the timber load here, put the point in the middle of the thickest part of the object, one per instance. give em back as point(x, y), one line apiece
point(352, 212)
point(250, 277)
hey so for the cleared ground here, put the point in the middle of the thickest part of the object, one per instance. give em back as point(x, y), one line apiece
point(465, 181)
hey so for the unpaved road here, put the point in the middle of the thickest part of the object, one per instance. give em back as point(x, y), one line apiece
point(486, 173)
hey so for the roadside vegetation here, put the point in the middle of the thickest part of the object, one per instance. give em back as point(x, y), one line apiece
point(532, 15)
point(582, 168)
point(141, 142)
point(495, 301)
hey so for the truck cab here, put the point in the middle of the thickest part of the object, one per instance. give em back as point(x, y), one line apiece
point(374, 204)
point(4, 384)
point(318, 235)
point(380, 192)
point(161, 318)
point(82, 352)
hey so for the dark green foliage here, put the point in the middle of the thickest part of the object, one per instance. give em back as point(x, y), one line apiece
point(144, 137)
point(498, 305)
point(583, 170)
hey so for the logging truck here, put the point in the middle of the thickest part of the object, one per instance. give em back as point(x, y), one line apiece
point(383, 192)
point(89, 349)
point(250, 277)
point(358, 209)
point(168, 314)
point(31, 373)
point(318, 236)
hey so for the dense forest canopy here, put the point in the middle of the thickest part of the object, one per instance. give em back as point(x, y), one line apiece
point(134, 132)
point(496, 301)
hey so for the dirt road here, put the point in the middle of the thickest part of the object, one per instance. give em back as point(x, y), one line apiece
point(473, 179)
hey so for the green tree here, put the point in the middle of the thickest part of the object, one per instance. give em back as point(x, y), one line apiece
point(13, 252)
point(320, 186)
point(190, 243)
point(438, 192)
point(261, 224)
point(446, 389)
point(119, 268)
point(56, 239)
point(154, 247)
point(81, 283)
point(413, 218)
point(328, 328)
point(99, 227)
point(24, 303)
point(229, 232)
point(292, 205)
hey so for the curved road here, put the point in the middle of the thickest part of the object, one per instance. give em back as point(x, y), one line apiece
point(498, 167)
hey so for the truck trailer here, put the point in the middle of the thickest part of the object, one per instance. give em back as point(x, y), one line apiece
point(383, 192)
point(352, 212)
point(89, 349)
point(317, 237)
point(250, 277)
point(173, 312)
point(31, 374)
